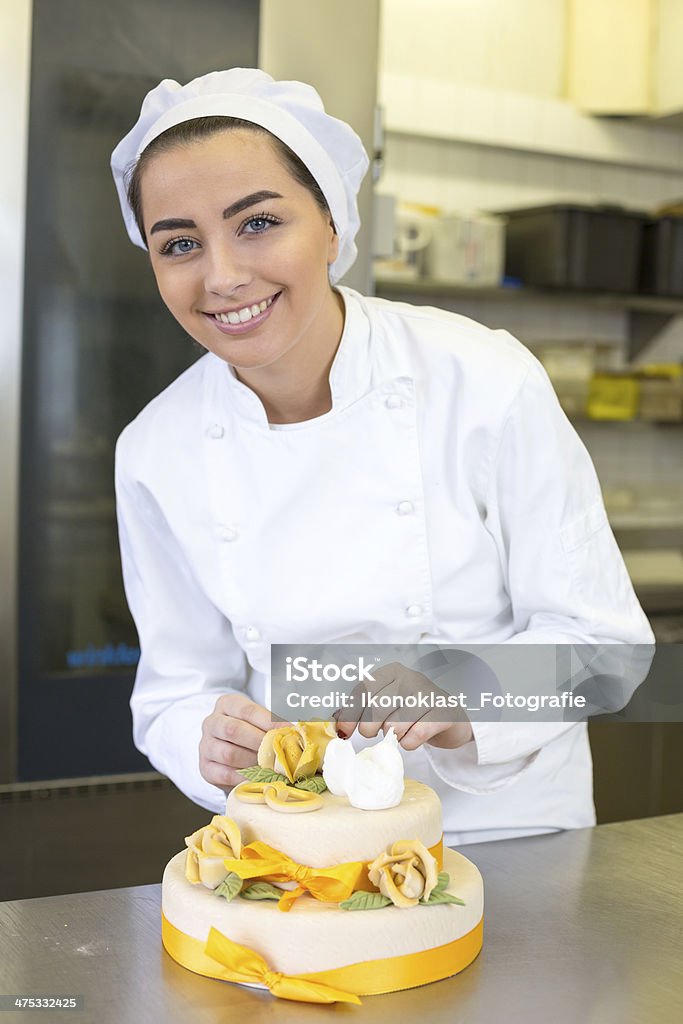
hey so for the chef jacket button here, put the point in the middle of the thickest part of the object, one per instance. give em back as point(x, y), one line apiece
point(215, 431)
point(227, 533)
point(414, 611)
point(252, 633)
point(394, 402)
point(405, 508)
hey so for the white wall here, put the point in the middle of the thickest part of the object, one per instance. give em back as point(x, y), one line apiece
point(475, 119)
point(487, 144)
point(517, 45)
point(668, 33)
point(318, 42)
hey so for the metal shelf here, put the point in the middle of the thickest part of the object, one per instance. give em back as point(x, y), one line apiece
point(509, 293)
point(653, 534)
point(647, 314)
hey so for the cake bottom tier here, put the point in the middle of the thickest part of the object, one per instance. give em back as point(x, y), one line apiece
point(366, 952)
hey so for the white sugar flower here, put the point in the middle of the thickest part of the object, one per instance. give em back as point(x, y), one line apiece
point(372, 779)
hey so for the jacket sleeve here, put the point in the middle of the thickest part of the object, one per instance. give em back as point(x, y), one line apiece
point(564, 572)
point(189, 655)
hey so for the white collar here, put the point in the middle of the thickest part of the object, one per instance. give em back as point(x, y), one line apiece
point(350, 374)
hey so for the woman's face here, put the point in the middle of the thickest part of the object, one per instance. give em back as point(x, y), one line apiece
point(232, 236)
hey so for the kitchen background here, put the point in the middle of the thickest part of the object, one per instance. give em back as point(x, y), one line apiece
point(484, 106)
point(504, 122)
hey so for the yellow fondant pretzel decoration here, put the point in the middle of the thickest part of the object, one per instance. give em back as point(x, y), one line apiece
point(279, 797)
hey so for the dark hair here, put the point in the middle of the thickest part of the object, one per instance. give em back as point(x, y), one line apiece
point(200, 128)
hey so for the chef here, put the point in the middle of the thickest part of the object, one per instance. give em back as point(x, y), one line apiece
point(337, 468)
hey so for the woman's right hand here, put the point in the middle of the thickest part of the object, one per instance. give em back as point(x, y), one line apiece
point(231, 736)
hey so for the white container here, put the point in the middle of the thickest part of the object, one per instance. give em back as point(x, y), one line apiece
point(383, 225)
point(414, 234)
point(467, 249)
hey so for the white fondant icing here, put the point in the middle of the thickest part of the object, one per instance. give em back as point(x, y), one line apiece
point(339, 832)
point(317, 936)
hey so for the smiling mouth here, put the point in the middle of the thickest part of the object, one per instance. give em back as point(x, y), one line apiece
point(246, 313)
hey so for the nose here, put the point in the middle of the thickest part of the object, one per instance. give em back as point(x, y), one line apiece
point(226, 270)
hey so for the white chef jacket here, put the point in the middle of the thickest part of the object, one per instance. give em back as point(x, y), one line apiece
point(444, 498)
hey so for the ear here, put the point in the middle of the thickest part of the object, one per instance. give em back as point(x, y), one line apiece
point(333, 246)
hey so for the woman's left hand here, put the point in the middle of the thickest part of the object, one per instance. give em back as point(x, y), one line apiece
point(396, 682)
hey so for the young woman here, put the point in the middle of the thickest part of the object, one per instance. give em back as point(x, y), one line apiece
point(337, 469)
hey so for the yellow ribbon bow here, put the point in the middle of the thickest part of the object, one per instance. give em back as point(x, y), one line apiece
point(244, 965)
point(331, 885)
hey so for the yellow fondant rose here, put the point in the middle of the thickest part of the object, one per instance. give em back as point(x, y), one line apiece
point(296, 751)
point(208, 847)
point(406, 873)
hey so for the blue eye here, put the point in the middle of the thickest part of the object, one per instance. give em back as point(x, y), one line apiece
point(178, 247)
point(259, 224)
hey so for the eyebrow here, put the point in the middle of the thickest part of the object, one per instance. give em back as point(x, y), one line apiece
point(172, 223)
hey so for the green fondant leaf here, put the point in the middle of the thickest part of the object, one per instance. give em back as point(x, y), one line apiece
point(229, 887)
point(261, 891)
point(365, 901)
point(256, 774)
point(441, 897)
point(443, 882)
point(314, 784)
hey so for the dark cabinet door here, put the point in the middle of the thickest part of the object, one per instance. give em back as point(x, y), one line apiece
point(97, 345)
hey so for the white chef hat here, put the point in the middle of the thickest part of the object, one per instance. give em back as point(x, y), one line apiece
point(291, 111)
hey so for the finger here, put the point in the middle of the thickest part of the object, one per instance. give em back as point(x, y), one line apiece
point(369, 729)
point(219, 774)
point(447, 735)
point(385, 690)
point(234, 730)
point(237, 705)
point(455, 735)
point(400, 728)
point(229, 754)
point(419, 733)
point(345, 729)
point(387, 684)
point(388, 673)
point(347, 718)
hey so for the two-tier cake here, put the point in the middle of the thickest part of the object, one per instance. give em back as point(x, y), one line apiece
point(323, 905)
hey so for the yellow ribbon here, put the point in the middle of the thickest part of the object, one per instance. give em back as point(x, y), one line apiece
point(246, 966)
point(331, 885)
point(368, 978)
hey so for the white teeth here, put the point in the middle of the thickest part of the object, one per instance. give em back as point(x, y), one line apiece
point(241, 316)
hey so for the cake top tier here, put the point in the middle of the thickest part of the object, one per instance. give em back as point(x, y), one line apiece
point(338, 832)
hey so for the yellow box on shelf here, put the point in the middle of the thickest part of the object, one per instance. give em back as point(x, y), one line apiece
point(670, 371)
point(613, 396)
point(661, 400)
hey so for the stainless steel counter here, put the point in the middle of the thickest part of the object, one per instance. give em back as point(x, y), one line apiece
point(583, 926)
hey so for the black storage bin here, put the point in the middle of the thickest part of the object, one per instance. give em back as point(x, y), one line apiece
point(568, 246)
point(661, 268)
